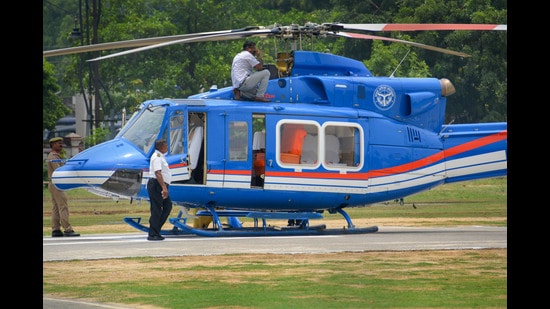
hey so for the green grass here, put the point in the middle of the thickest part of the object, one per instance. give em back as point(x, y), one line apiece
point(421, 279)
point(408, 279)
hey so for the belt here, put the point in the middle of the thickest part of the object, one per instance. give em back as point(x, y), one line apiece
point(153, 178)
point(241, 83)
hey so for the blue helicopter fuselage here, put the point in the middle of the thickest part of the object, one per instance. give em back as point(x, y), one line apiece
point(333, 136)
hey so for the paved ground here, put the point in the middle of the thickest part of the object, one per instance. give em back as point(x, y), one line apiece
point(50, 303)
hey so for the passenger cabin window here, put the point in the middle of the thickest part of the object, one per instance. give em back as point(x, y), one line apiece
point(343, 144)
point(292, 141)
point(238, 141)
point(176, 133)
point(308, 145)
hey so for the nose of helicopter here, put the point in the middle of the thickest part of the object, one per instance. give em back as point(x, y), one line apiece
point(115, 166)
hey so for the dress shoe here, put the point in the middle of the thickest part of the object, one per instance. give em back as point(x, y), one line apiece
point(57, 233)
point(70, 234)
point(156, 237)
point(261, 99)
point(236, 94)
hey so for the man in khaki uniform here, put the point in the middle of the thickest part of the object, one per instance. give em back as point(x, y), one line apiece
point(60, 209)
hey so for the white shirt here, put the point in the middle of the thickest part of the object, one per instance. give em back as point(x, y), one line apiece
point(243, 66)
point(258, 142)
point(158, 162)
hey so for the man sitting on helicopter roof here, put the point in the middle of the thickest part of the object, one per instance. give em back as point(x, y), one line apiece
point(245, 80)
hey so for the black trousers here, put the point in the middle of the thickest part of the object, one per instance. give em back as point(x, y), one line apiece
point(160, 208)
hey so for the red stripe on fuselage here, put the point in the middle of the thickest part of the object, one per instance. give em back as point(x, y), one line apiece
point(385, 171)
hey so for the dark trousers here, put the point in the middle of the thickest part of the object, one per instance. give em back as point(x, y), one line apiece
point(160, 208)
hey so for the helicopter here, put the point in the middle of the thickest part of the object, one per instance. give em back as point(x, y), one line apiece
point(332, 137)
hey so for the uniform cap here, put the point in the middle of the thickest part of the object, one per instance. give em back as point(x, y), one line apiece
point(56, 139)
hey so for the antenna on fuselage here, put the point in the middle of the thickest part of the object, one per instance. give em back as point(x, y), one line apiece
point(392, 73)
point(446, 126)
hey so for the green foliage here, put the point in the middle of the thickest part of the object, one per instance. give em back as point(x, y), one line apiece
point(397, 60)
point(52, 105)
point(99, 135)
point(178, 71)
point(480, 80)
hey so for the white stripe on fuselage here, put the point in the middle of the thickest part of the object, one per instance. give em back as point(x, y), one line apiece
point(471, 165)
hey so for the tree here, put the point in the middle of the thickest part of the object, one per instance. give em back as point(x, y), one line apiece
point(396, 60)
point(181, 70)
point(52, 105)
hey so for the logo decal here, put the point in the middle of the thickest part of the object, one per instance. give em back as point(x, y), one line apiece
point(384, 97)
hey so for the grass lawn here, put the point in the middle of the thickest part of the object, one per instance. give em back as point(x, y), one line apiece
point(409, 279)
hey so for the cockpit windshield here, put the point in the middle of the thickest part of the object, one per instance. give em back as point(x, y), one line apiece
point(144, 130)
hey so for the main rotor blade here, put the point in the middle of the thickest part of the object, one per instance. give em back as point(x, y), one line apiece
point(277, 31)
point(206, 38)
point(421, 27)
point(420, 45)
point(136, 42)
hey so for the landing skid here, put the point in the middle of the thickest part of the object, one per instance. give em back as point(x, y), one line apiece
point(136, 223)
point(236, 229)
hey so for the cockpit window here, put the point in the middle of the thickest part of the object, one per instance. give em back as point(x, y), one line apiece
point(145, 129)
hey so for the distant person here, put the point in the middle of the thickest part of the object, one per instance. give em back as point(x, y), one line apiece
point(247, 82)
point(157, 187)
point(60, 208)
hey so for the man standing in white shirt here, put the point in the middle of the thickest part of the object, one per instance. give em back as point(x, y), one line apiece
point(157, 187)
point(247, 83)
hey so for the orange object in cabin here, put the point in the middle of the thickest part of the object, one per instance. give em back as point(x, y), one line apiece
point(290, 158)
point(292, 141)
point(259, 163)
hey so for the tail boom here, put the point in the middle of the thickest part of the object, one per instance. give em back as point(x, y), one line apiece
point(475, 151)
